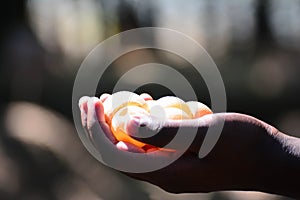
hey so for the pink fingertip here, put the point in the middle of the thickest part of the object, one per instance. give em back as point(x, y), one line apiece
point(83, 100)
point(125, 146)
point(122, 146)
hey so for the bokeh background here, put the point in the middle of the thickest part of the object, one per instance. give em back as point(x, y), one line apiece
point(255, 44)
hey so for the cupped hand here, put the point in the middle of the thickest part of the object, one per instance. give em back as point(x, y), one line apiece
point(238, 160)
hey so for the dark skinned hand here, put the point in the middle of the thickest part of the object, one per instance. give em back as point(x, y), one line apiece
point(249, 155)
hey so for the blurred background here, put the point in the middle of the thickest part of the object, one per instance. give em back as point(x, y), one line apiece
point(255, 44)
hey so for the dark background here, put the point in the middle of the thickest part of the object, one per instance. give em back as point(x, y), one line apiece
point(255, 44)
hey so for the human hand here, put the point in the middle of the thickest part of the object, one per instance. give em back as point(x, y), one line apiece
point(245, 157)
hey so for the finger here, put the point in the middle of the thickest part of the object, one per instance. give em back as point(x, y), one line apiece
point(95, 118)
point(146, 96)
point(152, 131)
point(96, 133)
point(104, 96)
point(160, 139)
point(188, 130)
point(83, 100)
point(83, 109)
point(99, 109)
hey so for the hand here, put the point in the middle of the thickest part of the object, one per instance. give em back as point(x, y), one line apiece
point(249, 155)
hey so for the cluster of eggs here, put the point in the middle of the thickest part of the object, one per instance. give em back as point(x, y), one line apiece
point(121, 106)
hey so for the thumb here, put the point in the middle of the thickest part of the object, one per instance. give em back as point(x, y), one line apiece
point(151, 131)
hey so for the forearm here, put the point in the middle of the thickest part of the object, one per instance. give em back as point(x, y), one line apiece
point(281, 169)
point(270, 160)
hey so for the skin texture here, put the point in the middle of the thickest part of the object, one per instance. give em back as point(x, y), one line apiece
point(249, 155)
